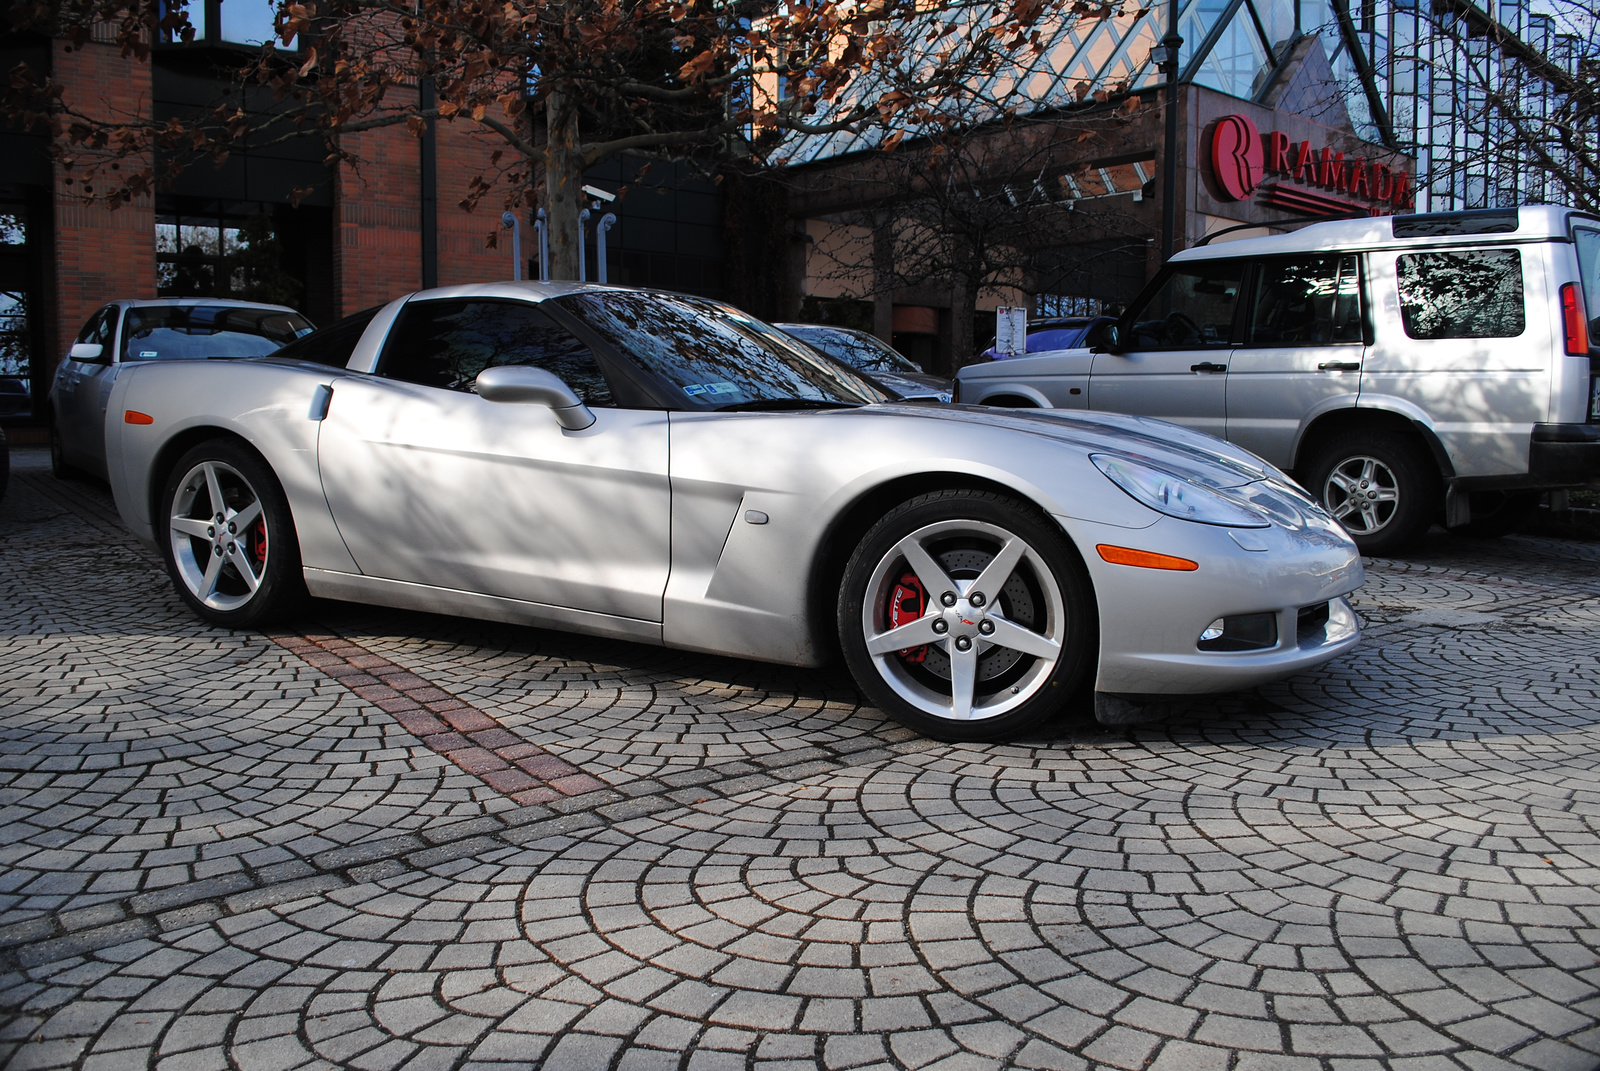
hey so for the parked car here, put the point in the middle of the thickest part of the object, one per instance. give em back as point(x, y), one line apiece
point(666, 469)
point(1050, 333)
point(1405, 368)
point(124, 333)
point(870, 354)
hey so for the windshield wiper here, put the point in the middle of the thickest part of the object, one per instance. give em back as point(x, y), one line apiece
point(763, 404)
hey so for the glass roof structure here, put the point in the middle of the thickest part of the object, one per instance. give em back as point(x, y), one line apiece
point(1417, 66)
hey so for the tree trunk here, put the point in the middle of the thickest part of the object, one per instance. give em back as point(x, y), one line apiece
point(563, 185)
point(963, 304)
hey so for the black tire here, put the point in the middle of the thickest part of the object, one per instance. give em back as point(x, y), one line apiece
point(265, 544)
point(1498, 513)
point(1046, 598)
point(1397, 483)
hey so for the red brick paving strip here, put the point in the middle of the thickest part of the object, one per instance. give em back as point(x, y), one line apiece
point(449, 726)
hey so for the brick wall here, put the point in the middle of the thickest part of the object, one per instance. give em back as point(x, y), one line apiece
point(378, 217)
point(464, 151)
point(100, 253)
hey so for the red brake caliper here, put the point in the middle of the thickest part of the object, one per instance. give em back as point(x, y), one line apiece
point(906, 603)
point(258, 540)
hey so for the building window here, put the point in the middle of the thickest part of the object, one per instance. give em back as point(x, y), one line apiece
point(222, 255)
point(1067, 305)
point(16, 329)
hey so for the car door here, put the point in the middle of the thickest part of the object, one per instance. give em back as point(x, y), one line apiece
point(1179, 338)
point(1301, 353)
point(431, 484)
point(81, 390)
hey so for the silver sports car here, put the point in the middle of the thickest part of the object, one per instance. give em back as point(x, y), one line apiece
point(667, 469)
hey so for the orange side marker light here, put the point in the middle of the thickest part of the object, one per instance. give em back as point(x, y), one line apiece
point(1144, 559)
point(133, 416)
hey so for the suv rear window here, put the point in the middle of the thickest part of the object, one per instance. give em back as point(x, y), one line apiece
point(1588, 244)
point(1461, 294)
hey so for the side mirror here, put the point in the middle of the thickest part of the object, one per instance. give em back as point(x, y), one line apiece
point(519, 383)
point(87, 351)
point(1106, 335)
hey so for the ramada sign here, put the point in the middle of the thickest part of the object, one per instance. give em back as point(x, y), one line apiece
point(1241, 155)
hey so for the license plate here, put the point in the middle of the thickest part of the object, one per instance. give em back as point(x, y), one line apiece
point(1594, 398)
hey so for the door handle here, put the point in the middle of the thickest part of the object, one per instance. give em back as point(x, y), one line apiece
point(1208, 366)
point(1339, 366)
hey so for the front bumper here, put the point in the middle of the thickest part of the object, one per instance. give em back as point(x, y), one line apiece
point(1564, 453)
point(1151, 620)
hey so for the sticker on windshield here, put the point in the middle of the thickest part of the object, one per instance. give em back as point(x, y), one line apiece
point(147, 353)
point(721, 388)
point(693, 390)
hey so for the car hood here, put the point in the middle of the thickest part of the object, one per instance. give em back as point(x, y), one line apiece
point(1017, 365)
point(1182, 451)
point(915, 384)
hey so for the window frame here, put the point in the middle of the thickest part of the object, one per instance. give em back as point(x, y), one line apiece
point(621, 396)
point(1153, 289)
point(1253, 280)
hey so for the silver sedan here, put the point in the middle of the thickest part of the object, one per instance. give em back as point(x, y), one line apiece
point(123, 333)
point(667, 469)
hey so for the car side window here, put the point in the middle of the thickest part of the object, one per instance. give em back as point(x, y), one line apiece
point(331, 345)
point(1193, 310)
point(447, 343)
point(1463, 293)
point(1311, 301)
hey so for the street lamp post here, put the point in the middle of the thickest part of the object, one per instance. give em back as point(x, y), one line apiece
point(1166, 56)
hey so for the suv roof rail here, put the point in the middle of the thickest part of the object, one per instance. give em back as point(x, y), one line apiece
point(1359, 213)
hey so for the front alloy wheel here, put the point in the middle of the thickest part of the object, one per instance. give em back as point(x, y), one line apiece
point(230, 547)
point(1362, 494)
point(964, 616)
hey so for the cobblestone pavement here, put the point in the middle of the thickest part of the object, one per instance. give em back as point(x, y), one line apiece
point(392, 840)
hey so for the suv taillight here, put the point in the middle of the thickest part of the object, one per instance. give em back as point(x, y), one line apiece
point(1574, 320)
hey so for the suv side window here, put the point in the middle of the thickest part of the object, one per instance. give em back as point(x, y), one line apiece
point(447, 343)
point(1462, 293)
point(1313, 301)
point(1193, 310)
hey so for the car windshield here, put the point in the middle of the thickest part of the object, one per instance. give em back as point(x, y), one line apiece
point(858, 351)
point(1055, 338)
point(712, 356)
point(188, 332)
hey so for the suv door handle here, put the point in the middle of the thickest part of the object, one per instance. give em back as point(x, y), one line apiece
point(1208, 366)
point(1339, 366)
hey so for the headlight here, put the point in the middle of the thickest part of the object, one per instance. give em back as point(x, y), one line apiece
point(1175, 496)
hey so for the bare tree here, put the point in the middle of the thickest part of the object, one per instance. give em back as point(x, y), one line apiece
point(700, 79)
point(984, 208)
point(1498, 113)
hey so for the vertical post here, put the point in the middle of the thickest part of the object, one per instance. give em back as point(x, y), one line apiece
point(607, 221)
point(583, 257)
point(542, 225)
point(430, 189)
point(1172, 45)
point(510, 220)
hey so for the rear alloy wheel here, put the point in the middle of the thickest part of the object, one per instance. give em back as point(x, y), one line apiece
point(1381, 487)
point(59, 467)
point(230, 545)
point(966, 616)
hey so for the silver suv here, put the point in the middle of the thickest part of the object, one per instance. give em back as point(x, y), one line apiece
point(1397, 366)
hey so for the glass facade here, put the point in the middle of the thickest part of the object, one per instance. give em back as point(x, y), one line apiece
point(1485, 98)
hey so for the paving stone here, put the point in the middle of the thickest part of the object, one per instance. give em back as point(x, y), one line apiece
point(383, 840)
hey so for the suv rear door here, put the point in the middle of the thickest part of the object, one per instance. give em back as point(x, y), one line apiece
point(1302, 350)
